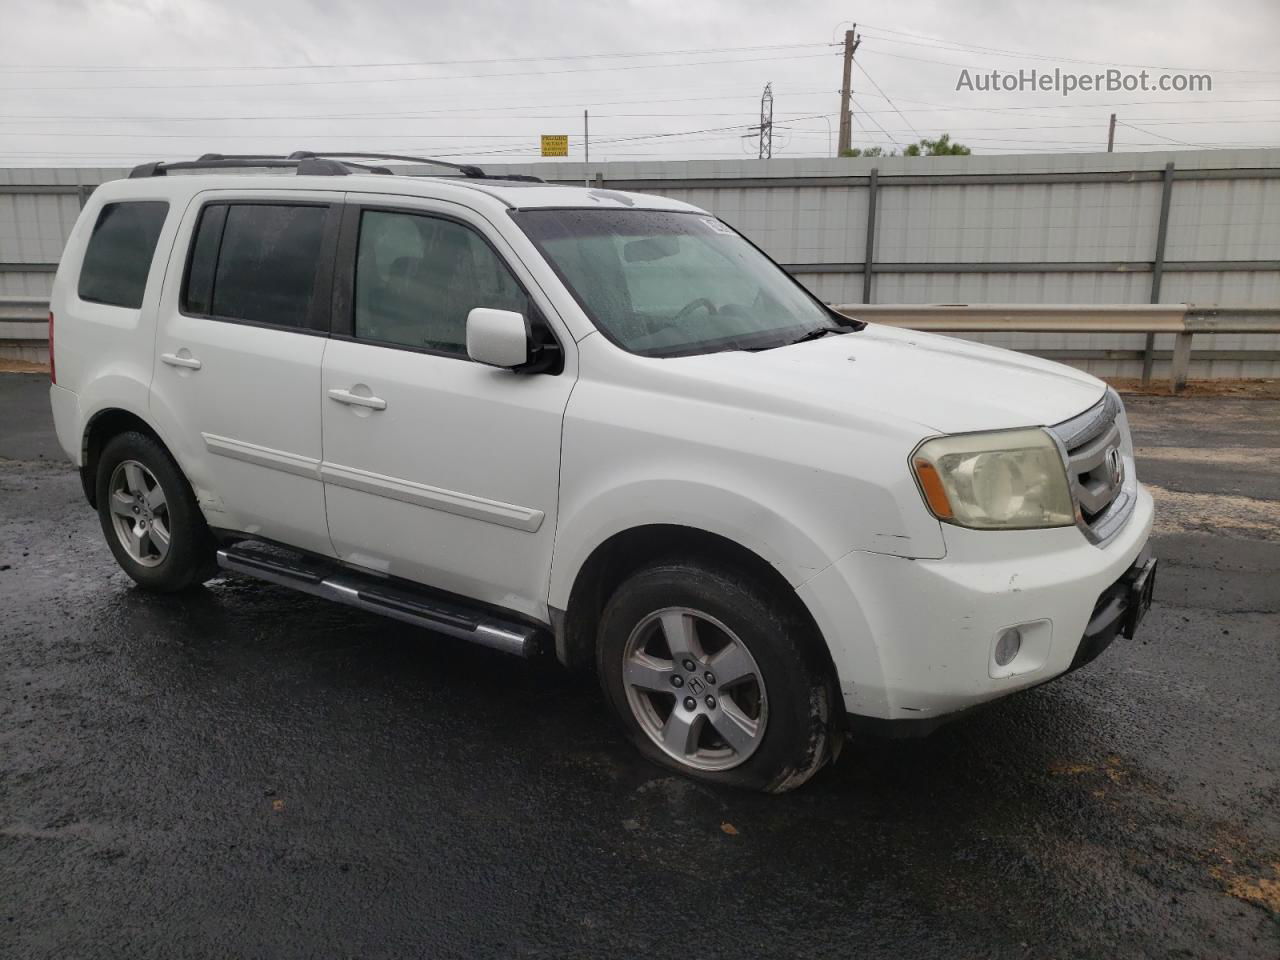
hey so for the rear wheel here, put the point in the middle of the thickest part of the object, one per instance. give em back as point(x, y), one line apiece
point(150, 517)
point(713, 676)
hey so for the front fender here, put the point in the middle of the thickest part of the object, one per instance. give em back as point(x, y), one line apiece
point(586, 524)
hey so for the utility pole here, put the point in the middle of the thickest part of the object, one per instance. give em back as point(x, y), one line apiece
point(766, 123)
point(851, 42)
point(586, 147)
point(1111, 135)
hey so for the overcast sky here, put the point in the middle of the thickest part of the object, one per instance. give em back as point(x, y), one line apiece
point(116, 81)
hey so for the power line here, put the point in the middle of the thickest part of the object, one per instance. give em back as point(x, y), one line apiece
point(459, 76)
point(940, 108)
point(474, 149)
point(303, 133)
point(753, 130)
point(492, 144)
point(676, 133)
point(1067, 126)
point(400, 146)
point(957, 45)
point(966, 132)
point(396, 114)
point(887, 100)
point(854, 116)
point(532, 154)
point(305, 98)
point(628, 139)
point(1153, 133)
point(892, 139)
point(311, 99)
point(952, 63)
point(1074, 106)
point(45, 68)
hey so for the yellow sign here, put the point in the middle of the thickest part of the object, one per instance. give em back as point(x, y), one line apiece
point(555, 144)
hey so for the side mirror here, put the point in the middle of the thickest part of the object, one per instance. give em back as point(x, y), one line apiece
point(497, 337)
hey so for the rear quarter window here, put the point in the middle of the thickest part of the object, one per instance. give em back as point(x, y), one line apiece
point(121, 248)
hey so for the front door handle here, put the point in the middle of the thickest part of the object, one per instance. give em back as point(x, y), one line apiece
point(355, 400)
point(173, 360)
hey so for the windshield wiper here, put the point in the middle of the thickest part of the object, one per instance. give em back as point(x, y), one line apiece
point(816, 334)
point(803, 338)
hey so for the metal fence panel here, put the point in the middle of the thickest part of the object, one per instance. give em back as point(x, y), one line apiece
point(1070, 228)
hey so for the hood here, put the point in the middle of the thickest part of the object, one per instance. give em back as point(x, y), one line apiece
point(944, 384)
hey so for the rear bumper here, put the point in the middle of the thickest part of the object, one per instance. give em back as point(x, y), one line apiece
point(916, 639)
point(66, 421)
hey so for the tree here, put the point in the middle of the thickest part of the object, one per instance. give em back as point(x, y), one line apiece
point(868, 152)
point(942, 147)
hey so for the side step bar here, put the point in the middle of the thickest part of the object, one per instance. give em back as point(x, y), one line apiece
point(367, 592)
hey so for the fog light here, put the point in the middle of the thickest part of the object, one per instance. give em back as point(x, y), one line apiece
point(1008, 645)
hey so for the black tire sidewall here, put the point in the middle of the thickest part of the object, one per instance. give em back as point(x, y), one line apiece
point(797, 687)
point(190, 557)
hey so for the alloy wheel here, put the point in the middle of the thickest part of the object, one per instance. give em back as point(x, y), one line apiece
point(695, 689)
point(139, 513)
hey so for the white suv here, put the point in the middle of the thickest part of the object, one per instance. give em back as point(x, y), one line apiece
point(602, 422)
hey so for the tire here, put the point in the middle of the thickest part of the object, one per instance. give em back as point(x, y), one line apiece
point(770, 732)
point(150, 517)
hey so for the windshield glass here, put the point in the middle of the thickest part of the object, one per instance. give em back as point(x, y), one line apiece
point(662, 283)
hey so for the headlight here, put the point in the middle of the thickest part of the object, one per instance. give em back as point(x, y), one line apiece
point(1007, 480)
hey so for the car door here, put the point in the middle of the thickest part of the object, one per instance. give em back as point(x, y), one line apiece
point(436, 468)
point(239, 345)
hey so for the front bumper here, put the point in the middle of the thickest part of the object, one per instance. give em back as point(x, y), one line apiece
point(1119, 610)
point(915, 639)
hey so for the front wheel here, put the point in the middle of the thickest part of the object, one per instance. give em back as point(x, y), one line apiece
point(714, 676)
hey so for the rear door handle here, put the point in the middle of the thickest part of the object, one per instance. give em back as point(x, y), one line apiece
point(355, 400)
point(173, 360)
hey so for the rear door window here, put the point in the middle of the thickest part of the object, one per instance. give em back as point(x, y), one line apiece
point(120, 251)
point(257, 263)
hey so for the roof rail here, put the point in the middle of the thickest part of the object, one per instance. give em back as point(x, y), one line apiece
point(311, 166)
point(467, 170)
point(312, 163)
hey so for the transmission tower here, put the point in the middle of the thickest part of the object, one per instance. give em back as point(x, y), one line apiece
point(766, 123)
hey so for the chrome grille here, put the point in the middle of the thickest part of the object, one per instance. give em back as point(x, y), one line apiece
point(1101, 476)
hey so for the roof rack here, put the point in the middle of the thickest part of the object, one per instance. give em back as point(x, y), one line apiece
point(214, 161)
point(466, 169)
point(311, 163)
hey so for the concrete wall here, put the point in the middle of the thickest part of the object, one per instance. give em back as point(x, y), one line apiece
point(1073, 228)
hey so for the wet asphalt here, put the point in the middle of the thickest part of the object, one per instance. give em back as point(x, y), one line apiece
point(247, 772)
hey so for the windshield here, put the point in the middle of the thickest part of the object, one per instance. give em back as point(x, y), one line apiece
point(662, 283)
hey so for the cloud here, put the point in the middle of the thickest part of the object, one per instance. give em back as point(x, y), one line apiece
point(118, 114)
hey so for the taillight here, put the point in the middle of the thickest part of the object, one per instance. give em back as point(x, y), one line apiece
point(53, 372)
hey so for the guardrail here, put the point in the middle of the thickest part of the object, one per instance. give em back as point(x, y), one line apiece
point(23, 319)
point(24, 330)
point(1184, 321)
point(22, 309)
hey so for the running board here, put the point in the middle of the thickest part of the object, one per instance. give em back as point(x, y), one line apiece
point(419, 607)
